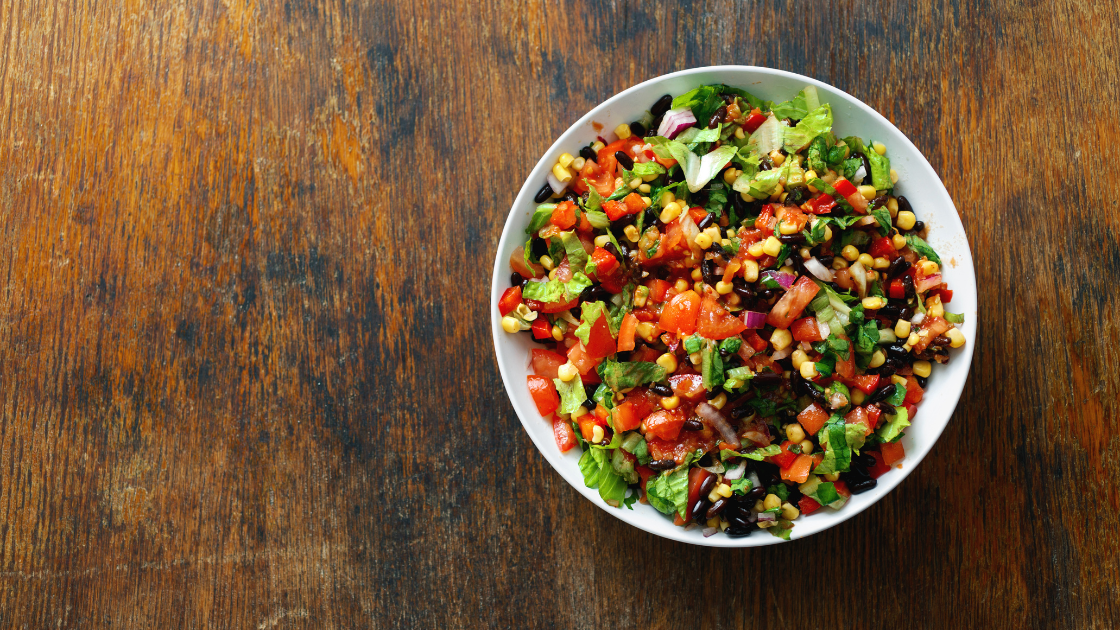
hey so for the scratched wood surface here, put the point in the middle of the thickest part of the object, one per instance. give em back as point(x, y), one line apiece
point(246, 379)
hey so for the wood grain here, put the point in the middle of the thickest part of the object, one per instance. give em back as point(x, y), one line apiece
point(245, 372)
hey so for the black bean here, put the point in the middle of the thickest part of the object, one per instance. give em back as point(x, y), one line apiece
point(661, 389)
point(706, 221)
point(543, 194)
point(792, 239)
point(708, 269)
point(699, 509)
point(740, 287)
point(796, 196)
point(735, 413)
point(663, 464)
point(738, 519)
point(589, 404)
point(766, 294)
point(626, 161)
point(864, 459)
point(570, 195)
point(903, 203)
point(735, 531)
point(882, 393)
point(613, 250)
point(918, 226)
point(717, 117)
point(638, 129)
point(652, 217)
point(826, 260)
point(898, 267)
point(866, 166)
point(539, 248)
point(921, 381)
point(595, 293)
point(662, 105)
point(767, 378)
point(896, 350)
point(941, 340)
point(707, 485)
point(890, 312)
point(755, 494)
point(886, 408)
point(693, 424)
point(716, 508)
point(863, 485)
point(516, 279)
point(908, 286)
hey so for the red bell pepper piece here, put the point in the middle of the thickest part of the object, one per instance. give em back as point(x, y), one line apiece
point(544, 394)
point(541, 328)
point(807, 505)
point(509, 300)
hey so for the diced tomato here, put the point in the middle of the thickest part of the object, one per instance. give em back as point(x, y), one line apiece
point(626, 331)
point(844, 187)
point(565, 436)
point(821, 204)
point(626, 418)
point(946, 295)
point(842, 489)
point(583, 361)
point(873, 415)
point(590, 378)
point(765, 221)
point(858, 415)
point(933, 326)
point(893, 452)
point(807, 505)
point(644, 473)
point(716, 322)
point(544, 394)
point(546, 363)
point(793, 303)
point(845, 366)
point(687, 442)
point(879, 468)
point(664, 424)
point(587, 423)
point(680, 314)
point(795, 217)
point(812, 418)
point(754, 121)
point(605, 262)
point(646, 314)
point(541, 329)
point(843, 279)
point(688, 386)
point(564, 216)
point(634, 203)
point(600, 343)
point(798, 470)
point(784, 458)
point(883, 247)
point(867, 383)
point(805, 329)
point(696, 478)
point(758, 343)
point(615, 209)
point(606, 157)
point(551, 307)
point(596, 176)
point(657, 290)
point(897, 289)
point(509, 300)
point(914, 391)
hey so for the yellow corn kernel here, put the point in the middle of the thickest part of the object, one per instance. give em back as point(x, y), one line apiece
point(566, 159)
point(647, 331)
point(788, 511)
point(634, 183)
point(956, 338)
point(561, 173)
point(713, 496)
point(739, 133)
point(681, 285)
point(755, 249)
point(797, 358)
point(646, 188)
point(805, 253)
point(598, 146)
point(827, 233)
point(922, 369)
point(713, 233)
point(858, 396)
point(579, 411)
point(719, 401)
point(750, 270)
point(905, 220)
point(671, 212)
point(788, 269)
point(670, 402)
point(807, 446)
point(881, 263)
point(697, 275)
point(832, 476)
point(667, 198)
point(787, 228)
point(510, 324)
point(668, 361)
point(723, 288)
point(878, 358)
point(892, 205)
point(899, 241)
point(912, 339)
point(729, 176)
point(567, 372)
point(695, 358)
point(866, 260)
point(771, 246)
point(546, 262)
point(777, 194)
point(723, 490)
point(631, 233)
point(713, 522)
point(698, 287)
point(839, 263)
point(894, 176)
point(703, 241)
point(577, 164)
point(872, 275)
point(781, 339)
point(934, 308)
point(929, 267)
point(597, 434)
point(850, 253)
point(868, 192)
point(776, 157)
point(602, 240)
point(899, 380)
point(808, 369)
point(771, 501)
point(795, 432)
point(557, 334)
point(647, 202)
point(902, 328)
point(873, 303)
point(623, 131)
point(879, 147)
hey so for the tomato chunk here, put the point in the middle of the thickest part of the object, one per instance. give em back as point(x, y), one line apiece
point(565, 436)
point(680, 314)
point(805, 329)
point(715, 322)
point(688, 386)
point(547, 363)
point(600, 343)
point(791, 305)
point(812, 418)
point(867, 383)
point(914, 391)
point(564, 216)
point(605, 262)
point(784, 458)
point(664, 424)
point(807, 505)
point(626, 332)
point(798, 470)
point(696, 478)
point(509, 300)
point(883, 247)
point(583, 361)
point(544, 394)
point(893, 452)
point(879, 469)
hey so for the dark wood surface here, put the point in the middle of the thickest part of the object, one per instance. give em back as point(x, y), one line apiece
point(246, 376)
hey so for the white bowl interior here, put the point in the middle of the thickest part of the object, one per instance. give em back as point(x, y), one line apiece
point(917, 181)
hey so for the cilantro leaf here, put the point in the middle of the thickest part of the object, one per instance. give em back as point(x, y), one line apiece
point(917, 244)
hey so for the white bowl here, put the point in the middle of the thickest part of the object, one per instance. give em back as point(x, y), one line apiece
point(917, 181)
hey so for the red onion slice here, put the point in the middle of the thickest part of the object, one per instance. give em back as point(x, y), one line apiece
point(928, 282)
point(781, 354)
point(818, 269)
point(710, 531)
point(716, 419)
point(781, 277)
point(676, 121)
point(754, 319)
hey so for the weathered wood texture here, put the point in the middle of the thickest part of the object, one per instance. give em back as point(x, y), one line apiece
point(246, 379)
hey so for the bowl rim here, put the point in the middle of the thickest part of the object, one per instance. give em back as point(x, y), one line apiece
point(888, 482)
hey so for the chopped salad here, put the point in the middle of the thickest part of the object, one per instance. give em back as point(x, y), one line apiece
point(736, 315)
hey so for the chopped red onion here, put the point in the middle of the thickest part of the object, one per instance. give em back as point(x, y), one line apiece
point(781, 277)
point(555, 184)
point(710, 531)
point(928, 282)
point(676, 121)
point(716, 419)
point(753, 478)
point(691, 231)
point(754, 319)
point(818, 269)
point(764, 517)
point(781, 354)
point(859, 276)
point(736, 472)
point(918, 318)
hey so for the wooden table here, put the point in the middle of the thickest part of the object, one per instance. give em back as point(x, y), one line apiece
point(246, 377)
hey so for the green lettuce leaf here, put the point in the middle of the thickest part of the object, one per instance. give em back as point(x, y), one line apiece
point(711, 366)
point(590, 311)
point(816, 123)
point(540, 217)
point(891, 431)
point(794, 109)
point(571, 393)
point(898, 396)
point(619, 376)
point(556, 291)
point(703, 101)
point(577, 256)
point(668, 492)
point(880, 170)
point(747, 97)
point(884, 218)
